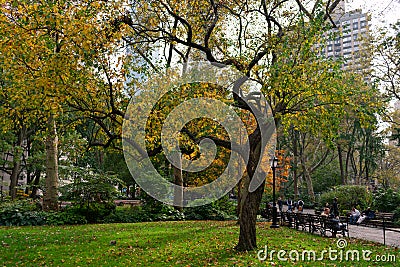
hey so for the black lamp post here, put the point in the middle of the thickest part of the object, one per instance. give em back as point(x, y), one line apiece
point(274, 165)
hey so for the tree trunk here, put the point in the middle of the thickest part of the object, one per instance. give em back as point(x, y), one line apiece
point(250, 201)
point(35, 184)
point(307, 178)
point(341, 166)
point(306, 171)
point(14, 177)
point(51, 190)
point(248, 219)
point(16, 170)
point(178, 180)
point(295, 159)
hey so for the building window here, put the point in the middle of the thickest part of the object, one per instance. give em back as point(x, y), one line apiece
point(363, 24)
point(347, 47)
point(347, 39)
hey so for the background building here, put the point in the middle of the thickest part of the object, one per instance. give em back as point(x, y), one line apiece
point(349, 40)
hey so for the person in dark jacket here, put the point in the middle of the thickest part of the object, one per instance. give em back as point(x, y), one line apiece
point(335, 208)
point(289, 203)
point(280, 204)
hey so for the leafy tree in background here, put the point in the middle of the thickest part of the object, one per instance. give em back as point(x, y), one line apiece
point(52, 54)
point(386, 200)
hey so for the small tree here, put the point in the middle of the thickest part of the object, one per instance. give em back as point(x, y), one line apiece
point(92, 193)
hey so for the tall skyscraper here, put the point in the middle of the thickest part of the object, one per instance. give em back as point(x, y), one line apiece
point(349, 39)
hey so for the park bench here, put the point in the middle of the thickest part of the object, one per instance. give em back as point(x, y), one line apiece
point(334, 226)
point(131, 202)
point(382, 219)
point(266, 214)
point(289, 219)
point(315, 223)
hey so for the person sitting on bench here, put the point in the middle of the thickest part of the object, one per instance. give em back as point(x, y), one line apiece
point(354, 215)
point(368, 214)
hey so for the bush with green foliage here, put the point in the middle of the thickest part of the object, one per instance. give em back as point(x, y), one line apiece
point(21, 212)
point(221, 209)
point(348, 196)
point(127, 215)
point(396, 217)
point(386, 200)
point(28, 212)
point(91, 193)
point(65, 217)
point(94, 212)
point(90, 186)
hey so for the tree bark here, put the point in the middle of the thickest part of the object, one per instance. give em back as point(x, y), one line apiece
point(51, 190)
point(17, 157)
point(35, 183)
point(248, 219)
point(178, 180)
point(341, 166)
point(306, 171)
point(296, 160)
point(307, 178)
point(250, 201)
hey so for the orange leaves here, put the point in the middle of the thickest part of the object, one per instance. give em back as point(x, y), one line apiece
point(282, 172)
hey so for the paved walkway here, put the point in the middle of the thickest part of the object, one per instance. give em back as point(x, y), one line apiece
point(375, 235)
point(371, 233)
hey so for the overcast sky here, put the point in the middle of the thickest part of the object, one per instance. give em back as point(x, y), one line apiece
point(382, 11)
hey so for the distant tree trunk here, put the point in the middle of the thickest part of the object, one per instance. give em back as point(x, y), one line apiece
point(306, 171)
point(341, 165)
point(14, 176)
point(51, 190)
point(178, 180)
point(17, 155)
point(307, 178)
point(35, 183)
point(295, 159)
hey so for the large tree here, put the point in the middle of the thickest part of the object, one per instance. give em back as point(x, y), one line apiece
point(52, 53)
point(305, 90)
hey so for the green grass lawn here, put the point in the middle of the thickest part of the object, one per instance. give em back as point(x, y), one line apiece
point(186, 243)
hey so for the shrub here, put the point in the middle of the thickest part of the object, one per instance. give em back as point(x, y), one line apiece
point(205, 212)
point(396, 217)
point(348, 196)
point(221, 209)
point(93, 212)
point(386, 200)
point(127, 215)
point(28, 212)
point(23, 218)
point(169, 213)
point(89, 186)
point(21, 212)
point(64, 217)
